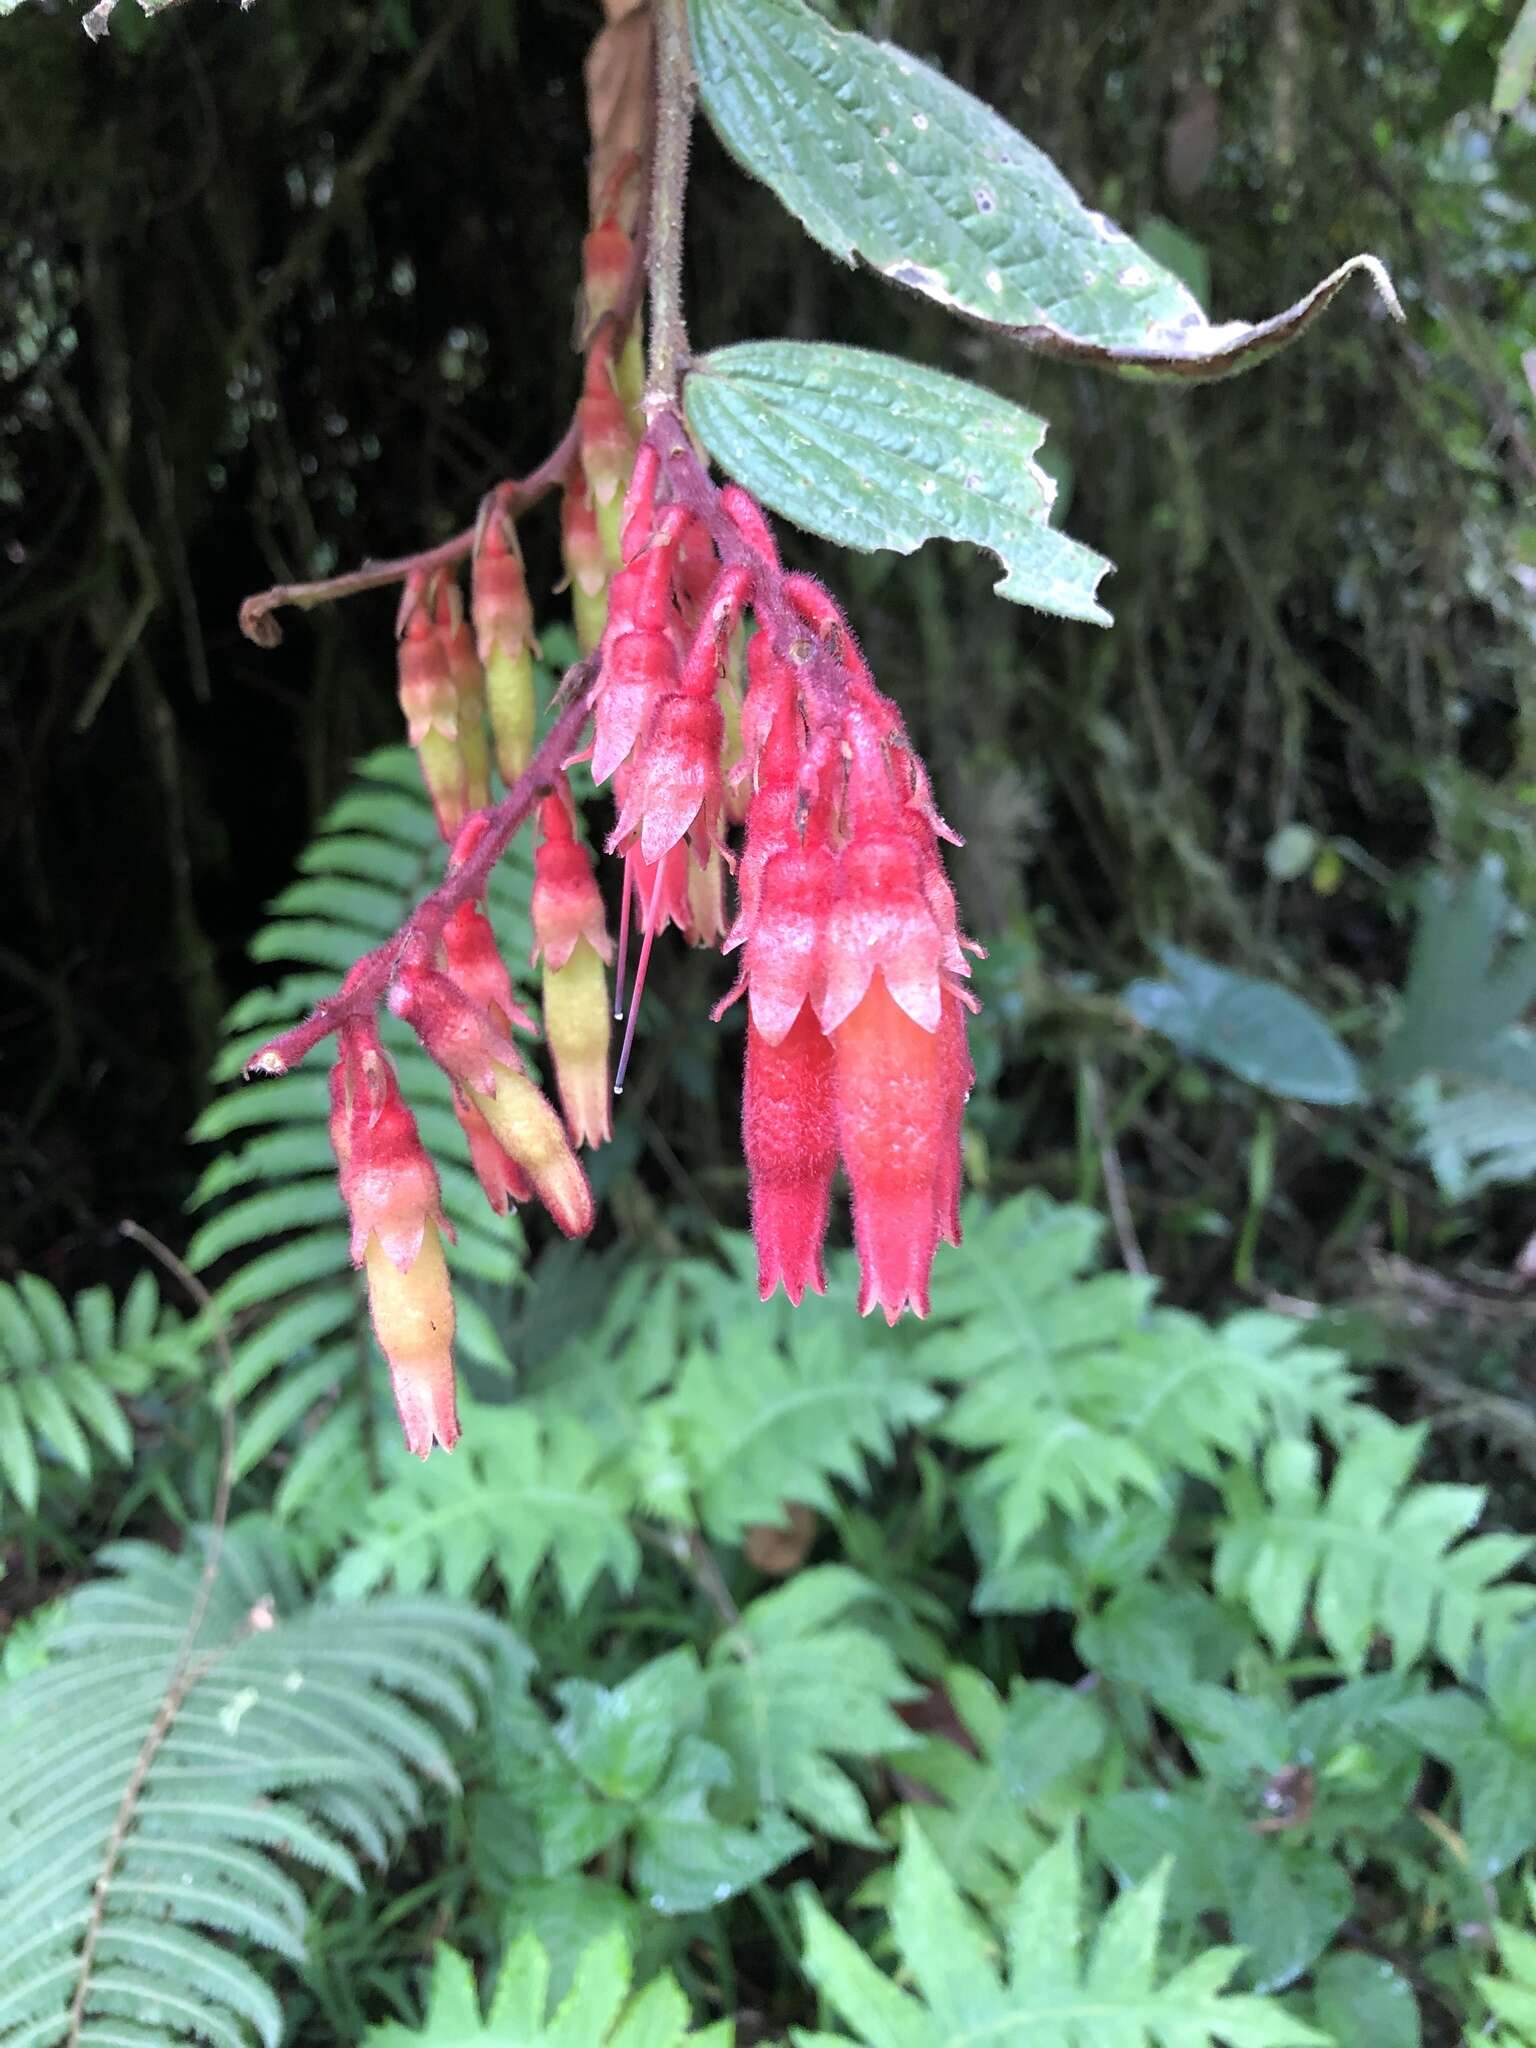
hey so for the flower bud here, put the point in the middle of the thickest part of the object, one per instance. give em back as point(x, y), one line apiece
point(504, 638)
point(586, 563)
point(526, 1127)
point(459, 1034)
point(566, 907)
point(502, 1180)
point(468, 681)
point(429, 699)
point(578, 1020)
point(474, 964)
point(412, 1313)
point(387, 1180)
point(607, 443)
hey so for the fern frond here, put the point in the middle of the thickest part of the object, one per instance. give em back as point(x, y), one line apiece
point(798, 1683)
point(521, 1489)
point(65, 1369)
point(1511, 1995)
point(1060, 1987)
point(759, 1423)
point(157, 1796)
point(1374, 1555)
point(272, 1196)
point(598, 2011)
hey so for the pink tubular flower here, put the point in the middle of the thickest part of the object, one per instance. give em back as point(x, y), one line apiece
point(474, 964)
point(468, 680)
point(891, 1131)
point(789, 1135)
point(430, 701)
point(391, 1192)
point(586, 563)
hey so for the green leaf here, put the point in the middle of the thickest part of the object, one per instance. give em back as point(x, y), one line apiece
point(1470, 976)
point(1374, 1556)
point(295, 1739)
point(873, 452)
point(1067, 1985)
point(520, 1490)
point(1511, 1995)
point(599, 2010)
point(760, 1423)
point(883, 159)
point(1517, 62)
point(1255, 1029)
point(1362, 1999)
point(796, 1684)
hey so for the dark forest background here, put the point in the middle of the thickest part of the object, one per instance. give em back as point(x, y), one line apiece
point(284, 288)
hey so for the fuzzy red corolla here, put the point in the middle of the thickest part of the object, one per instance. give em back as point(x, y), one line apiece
point(789, 1136)
point(891, 1126)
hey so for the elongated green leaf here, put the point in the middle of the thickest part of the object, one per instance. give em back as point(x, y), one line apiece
point(883, 159)
point(1255, 1029)
point(876, 453)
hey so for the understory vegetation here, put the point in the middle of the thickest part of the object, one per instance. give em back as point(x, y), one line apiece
point(1140, 1648)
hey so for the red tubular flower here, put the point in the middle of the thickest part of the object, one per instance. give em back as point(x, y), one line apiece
point(475, 965)
point(891, 1131)
point(675, 788)
point(638, 668)
point(392, 1198)
point(789, 1135)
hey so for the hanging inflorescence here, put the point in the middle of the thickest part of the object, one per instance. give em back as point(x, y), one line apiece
point(727, 701)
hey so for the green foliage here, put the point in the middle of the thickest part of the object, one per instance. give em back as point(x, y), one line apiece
point(881, 158)
point(875, 453)
point(597, 2012)
point(1511, 1994)
point(1372, 1558)
point(1255, 1029)
point(214, 1753)
point(65, 1370)
point(1068, 1981)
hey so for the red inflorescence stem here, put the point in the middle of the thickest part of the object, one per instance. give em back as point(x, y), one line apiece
point(368, 983)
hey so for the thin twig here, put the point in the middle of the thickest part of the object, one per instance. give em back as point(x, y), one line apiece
point(186, 1670)
point(1114, 1180)
point(514, 496)
point(675, 90)
point(368, 982)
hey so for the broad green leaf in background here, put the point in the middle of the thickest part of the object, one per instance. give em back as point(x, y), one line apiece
point(1517, 62)
point(882, 158)
point(873, 453)
point(1061, 1989)
point(1471, 975)
point(1512, 1993)
point(1255, 1029)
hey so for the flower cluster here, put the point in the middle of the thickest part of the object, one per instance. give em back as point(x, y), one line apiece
point(852, 961)
point(743, 736)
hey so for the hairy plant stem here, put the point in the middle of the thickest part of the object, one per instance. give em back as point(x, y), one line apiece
point(675, 88)
point(368, 983)
point(516, 495)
